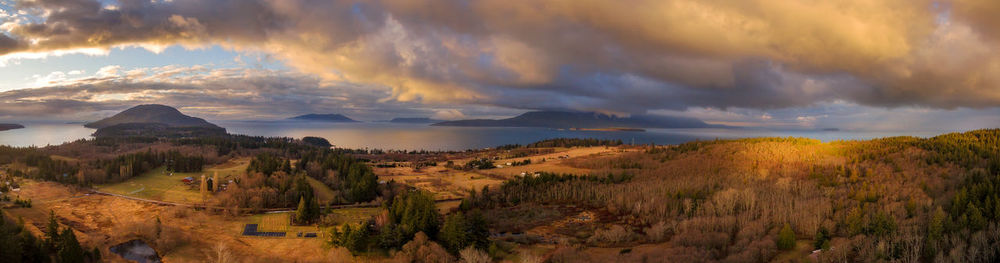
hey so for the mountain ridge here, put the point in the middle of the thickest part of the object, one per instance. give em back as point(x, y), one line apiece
point(569, 119)
point(323, 117)
point(152, 113)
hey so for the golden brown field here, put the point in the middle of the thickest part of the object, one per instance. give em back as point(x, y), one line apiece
point(448, 183)
point(188, 235)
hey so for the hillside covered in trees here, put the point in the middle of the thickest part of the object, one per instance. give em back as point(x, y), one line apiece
point(757, 200)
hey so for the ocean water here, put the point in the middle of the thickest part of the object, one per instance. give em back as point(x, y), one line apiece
point(375, 135)
point(44, 133)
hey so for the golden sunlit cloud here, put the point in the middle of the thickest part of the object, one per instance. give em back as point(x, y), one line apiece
point(589, 55)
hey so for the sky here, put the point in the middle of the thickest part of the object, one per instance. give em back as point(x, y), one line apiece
point(850, 64)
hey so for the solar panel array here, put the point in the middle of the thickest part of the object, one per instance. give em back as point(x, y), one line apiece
point(251, 230)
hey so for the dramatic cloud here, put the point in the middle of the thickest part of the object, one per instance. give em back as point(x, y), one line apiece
point(610, 56)
point(216, 94)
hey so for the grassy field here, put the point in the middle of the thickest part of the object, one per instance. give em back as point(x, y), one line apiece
point(323, 192)
point(158, 185)
point(274, 222)
point(281, 222)
point(103, 221)
point(161, 185)
point(353, 215)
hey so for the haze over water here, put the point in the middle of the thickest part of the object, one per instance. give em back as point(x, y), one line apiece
point(374, 135)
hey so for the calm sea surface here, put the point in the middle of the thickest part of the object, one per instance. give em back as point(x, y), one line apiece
point(422, 136)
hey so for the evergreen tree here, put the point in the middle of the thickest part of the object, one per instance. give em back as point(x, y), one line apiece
point(30, 246)
point(70, 250)
point(462, 230)
point(822, 240)
point(453, 235)
point(976, 220)
point(786, 238)
point(391, 236)
point(302, 213)
point(415, 212)
point(52, 240)
point(477, 229)
point(354, 239)
point(11, 245)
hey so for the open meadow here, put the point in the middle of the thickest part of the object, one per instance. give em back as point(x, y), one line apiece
point(161, 185)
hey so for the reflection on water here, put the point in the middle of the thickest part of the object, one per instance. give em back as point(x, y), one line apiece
point(136, 250)
point(42, 134)
point(425, 137)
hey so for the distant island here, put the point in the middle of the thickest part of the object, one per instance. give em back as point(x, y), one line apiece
point(583, 120)
point(10, 126)
point(414, 120)
point(609, 129)
point(154, 120)
point(323, 117)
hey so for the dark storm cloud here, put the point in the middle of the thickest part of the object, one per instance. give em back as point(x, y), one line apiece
point(575, 54)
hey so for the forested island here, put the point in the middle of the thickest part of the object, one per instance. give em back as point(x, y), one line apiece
point(10, 126)
point(323, 118)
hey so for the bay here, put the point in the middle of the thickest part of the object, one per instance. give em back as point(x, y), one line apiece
point(44, 133)
point(395, 136)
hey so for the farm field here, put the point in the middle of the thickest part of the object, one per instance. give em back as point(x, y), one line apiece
point(352, 215)
point(158, 184)
point(281, 222)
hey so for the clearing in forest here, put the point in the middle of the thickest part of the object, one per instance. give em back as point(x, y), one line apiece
point(158, 184)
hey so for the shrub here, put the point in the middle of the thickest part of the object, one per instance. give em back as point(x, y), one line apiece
point(657, 232)
point(473, 255)
point(612, 236)
point(421, 249)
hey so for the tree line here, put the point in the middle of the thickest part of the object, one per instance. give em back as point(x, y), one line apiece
point(17, 244)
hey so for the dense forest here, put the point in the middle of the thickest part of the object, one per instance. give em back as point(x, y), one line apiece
point(352, 178)
point(747, 200)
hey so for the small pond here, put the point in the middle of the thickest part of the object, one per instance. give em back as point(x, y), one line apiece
point(136, 250)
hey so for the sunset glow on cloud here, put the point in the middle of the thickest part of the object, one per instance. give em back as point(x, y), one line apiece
point(799, 62)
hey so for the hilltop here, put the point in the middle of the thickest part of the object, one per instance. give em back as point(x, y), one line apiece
point(154, 120)
point(323, 117)
point(566, 119)
point(152, 113)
